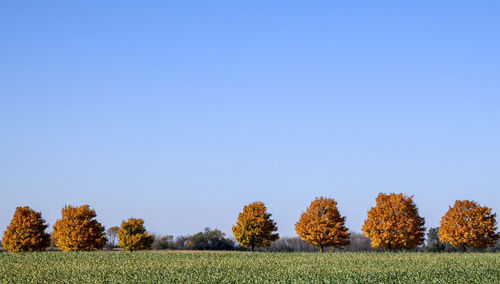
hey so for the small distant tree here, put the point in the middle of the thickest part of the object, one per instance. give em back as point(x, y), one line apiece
point(467, 224)
point(433, 242)
point(26, 231)
point(133, 236)
point(291, 244)
point(358, 242)
point(254, 227)
point(394, 223)
point(181, 242)
point(52, 241)
point(77, 230)
point(112, 234)
point(210, 240)
point(163, 242)
point(496, 246)
point(322, 226)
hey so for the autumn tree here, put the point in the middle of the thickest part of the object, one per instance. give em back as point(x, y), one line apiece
point(322, 226)
point(394, 223)
point(467, 224)
point(254, 227)
point(26, 231)
point(77, 230)
point(133, 236)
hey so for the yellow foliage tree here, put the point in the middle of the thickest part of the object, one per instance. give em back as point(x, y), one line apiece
point(26, 231)
point(254, 227)
point(322, 226)
point(133, 236)
point(77, 230)
point(394, 223)
point(467, 224)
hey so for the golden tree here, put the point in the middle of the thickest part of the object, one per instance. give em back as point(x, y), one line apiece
point(254, 227)
point(467, 224)
point(322, 226)
point(26, 231)
point(77, 230)
point(394, 223)
point(133, 236)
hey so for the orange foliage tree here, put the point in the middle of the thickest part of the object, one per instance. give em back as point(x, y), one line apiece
point(394, 223)
point(467, 224)
point(26, 231)
point(133, 236)
point(254, 227)
point(77, 230)
point(322, 226)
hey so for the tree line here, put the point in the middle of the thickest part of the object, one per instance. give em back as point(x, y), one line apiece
point(392, 224)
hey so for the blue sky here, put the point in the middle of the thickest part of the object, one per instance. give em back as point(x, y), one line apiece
point(181, 112)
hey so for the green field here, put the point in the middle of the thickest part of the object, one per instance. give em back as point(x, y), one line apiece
point(246, 267)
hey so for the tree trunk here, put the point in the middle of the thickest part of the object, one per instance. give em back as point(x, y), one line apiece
point(321, 248)
point(253, 247)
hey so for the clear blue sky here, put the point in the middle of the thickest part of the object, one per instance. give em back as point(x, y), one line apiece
point(181, 112)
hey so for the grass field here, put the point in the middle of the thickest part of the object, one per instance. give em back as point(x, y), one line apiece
point(246, 267)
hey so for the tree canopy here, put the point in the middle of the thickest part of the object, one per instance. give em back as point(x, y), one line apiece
point(467, 224)
point(133, 236)
point(322, 225)
point(77, 230)
point(26, 231)
point(254, 227)
point(394, 223)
